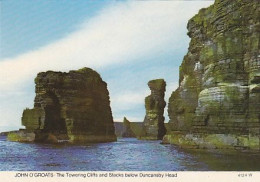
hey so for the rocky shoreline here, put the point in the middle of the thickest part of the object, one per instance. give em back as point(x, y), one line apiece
point(216, 105)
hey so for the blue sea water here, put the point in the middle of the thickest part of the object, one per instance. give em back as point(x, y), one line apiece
point(127, 154)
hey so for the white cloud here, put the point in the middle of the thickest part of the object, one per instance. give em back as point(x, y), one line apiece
point(128, 100)
point(123, 32)
point(120, 33)
point(131, 119)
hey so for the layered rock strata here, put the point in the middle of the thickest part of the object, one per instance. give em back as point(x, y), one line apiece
point(71, 107)
point(217, 103)
point(153, 124)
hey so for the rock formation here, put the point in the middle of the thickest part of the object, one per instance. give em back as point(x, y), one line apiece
point(72, 106)
point(153, 124)
point(127, 131)
point(217, 103)
point(136, 128)
point(21, 135)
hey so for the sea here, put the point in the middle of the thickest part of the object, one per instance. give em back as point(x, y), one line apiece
point(126, 154)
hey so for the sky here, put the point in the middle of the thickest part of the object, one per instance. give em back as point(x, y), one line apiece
point(127, 42)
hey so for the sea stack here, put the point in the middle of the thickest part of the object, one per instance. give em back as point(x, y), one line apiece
point(217, 103)
point(73, 107)
point(153, 124)
point(127, 131)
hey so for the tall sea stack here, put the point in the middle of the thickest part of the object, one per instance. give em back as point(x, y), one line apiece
point(127, 130)
point(217, 103)
point(153, 124)
point(71, 106)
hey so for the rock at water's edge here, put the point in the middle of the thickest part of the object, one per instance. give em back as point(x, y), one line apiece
point(217, 103)
point(153, 124)
point(72, 107)
point(127, 132)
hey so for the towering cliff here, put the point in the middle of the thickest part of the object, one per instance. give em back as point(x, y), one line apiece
point(70, 106)
point(154, 105)
point(217, 103)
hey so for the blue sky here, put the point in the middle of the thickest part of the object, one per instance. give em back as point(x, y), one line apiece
point(127, 42)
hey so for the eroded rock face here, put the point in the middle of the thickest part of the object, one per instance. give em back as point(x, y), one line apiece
point(128, 132)
point(154, 104)
point(136, 128)
point(71, 106)
point(217, 103)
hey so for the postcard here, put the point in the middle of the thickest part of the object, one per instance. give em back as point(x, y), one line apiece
point(129, 90)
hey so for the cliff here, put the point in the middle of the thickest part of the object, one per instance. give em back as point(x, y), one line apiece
point(71, 107)
point(153, 124)
point(217, 103)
